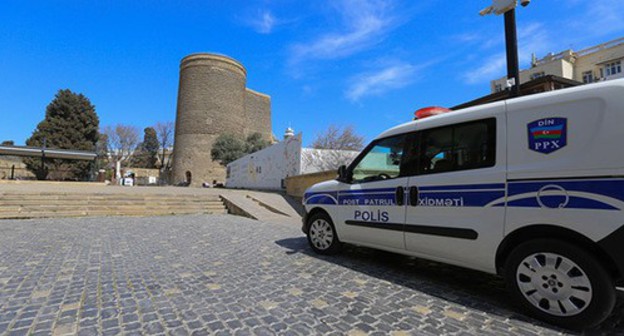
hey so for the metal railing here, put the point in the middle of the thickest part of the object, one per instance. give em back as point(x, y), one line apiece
point(600, 47)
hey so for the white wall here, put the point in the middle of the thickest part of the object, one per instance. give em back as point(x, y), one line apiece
point(267, 168)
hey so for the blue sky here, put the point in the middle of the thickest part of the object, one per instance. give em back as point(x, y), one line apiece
point(366, 63)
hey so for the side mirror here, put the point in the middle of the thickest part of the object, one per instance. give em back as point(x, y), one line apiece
point(342, 173)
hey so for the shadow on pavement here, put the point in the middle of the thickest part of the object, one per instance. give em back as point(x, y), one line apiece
point(295, 203)
point(473, 289)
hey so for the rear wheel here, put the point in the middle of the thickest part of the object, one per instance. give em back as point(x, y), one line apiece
point(322, 234)
point(560, 283)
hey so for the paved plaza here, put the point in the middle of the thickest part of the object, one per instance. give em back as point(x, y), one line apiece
point(223, 275)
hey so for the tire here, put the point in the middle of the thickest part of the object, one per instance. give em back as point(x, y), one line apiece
point(322, 235)
point(560, 283)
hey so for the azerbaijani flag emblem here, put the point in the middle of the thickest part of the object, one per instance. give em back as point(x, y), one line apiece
point(552, 132)
point(548, 135)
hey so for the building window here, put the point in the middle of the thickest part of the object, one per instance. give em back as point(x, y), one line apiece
point(588, 77)
point(613, 68)
point(498, 88)
point(537, 75)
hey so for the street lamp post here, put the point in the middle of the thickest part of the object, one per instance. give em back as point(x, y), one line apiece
point(511, 43)
point(508, 7)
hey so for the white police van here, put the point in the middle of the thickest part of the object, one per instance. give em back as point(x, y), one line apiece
point(530, 188)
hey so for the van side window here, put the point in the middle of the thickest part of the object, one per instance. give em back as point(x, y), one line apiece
point(463, 146)
point(381, 161)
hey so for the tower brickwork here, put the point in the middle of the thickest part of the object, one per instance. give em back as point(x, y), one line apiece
point(258, 113)
point(213, 100)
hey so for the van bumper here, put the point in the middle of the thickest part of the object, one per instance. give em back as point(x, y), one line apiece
point(304, 223)
point(613, 245)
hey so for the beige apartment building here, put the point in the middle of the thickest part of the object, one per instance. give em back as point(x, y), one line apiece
point(598, 63)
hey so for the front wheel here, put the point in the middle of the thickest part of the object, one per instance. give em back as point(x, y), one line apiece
point(560, 283)
point(322, 234)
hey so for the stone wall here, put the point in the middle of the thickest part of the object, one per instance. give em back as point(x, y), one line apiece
point(297, 185)
point(20, 171)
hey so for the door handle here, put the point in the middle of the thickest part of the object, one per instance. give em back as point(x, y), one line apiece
point(413, 196)
point(399, 196)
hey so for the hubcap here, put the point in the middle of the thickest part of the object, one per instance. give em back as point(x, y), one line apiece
point(554, 284)
point(321, 234)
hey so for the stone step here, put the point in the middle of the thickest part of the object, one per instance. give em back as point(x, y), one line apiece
point(109, 197)
point(107, 208)
point(115, 206)
point(103, 214)
point(41, 205)
point(111, 201)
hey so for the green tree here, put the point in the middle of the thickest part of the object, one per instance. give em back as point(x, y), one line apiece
point(70, 123)
point(102, 151)
point(228, 148)
point(7, 143)
point(146, 155)
point(255, 142)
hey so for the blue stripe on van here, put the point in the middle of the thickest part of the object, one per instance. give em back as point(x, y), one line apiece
point(607, 187)
point(464, 187)
point(572, 194)
point(567, 193)
point(554, 202)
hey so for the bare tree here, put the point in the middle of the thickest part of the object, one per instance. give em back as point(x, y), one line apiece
point(164, 131)
point(320, 160)
point(339, 138)
point(122, 143)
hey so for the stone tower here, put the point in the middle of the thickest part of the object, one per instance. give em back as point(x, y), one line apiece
point(212, 100)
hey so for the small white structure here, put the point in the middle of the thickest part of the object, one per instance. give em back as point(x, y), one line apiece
point(268, 168)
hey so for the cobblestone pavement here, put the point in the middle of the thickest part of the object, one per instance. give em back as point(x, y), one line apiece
point(226, 275)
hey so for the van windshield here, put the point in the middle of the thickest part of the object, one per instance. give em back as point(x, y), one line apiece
point(381, 162)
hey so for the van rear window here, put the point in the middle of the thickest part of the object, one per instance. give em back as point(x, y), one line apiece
point(470, 145)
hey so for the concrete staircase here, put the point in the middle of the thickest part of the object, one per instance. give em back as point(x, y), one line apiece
point(49, 204)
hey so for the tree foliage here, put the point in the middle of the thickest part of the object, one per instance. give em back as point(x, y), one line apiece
point(101, 149)
point(7, 143)
point(70, 123)
point(228, 147)
point(256, 142)
point(147, 151)
point(339, 138)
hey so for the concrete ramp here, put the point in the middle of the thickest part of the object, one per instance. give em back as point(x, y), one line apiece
point(263, 206)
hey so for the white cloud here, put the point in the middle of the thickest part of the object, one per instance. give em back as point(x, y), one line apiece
point(491, 68)
point(532, 38)
point(604, 16)
point(365, 23)
point(263, 21)
point(380, 81)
